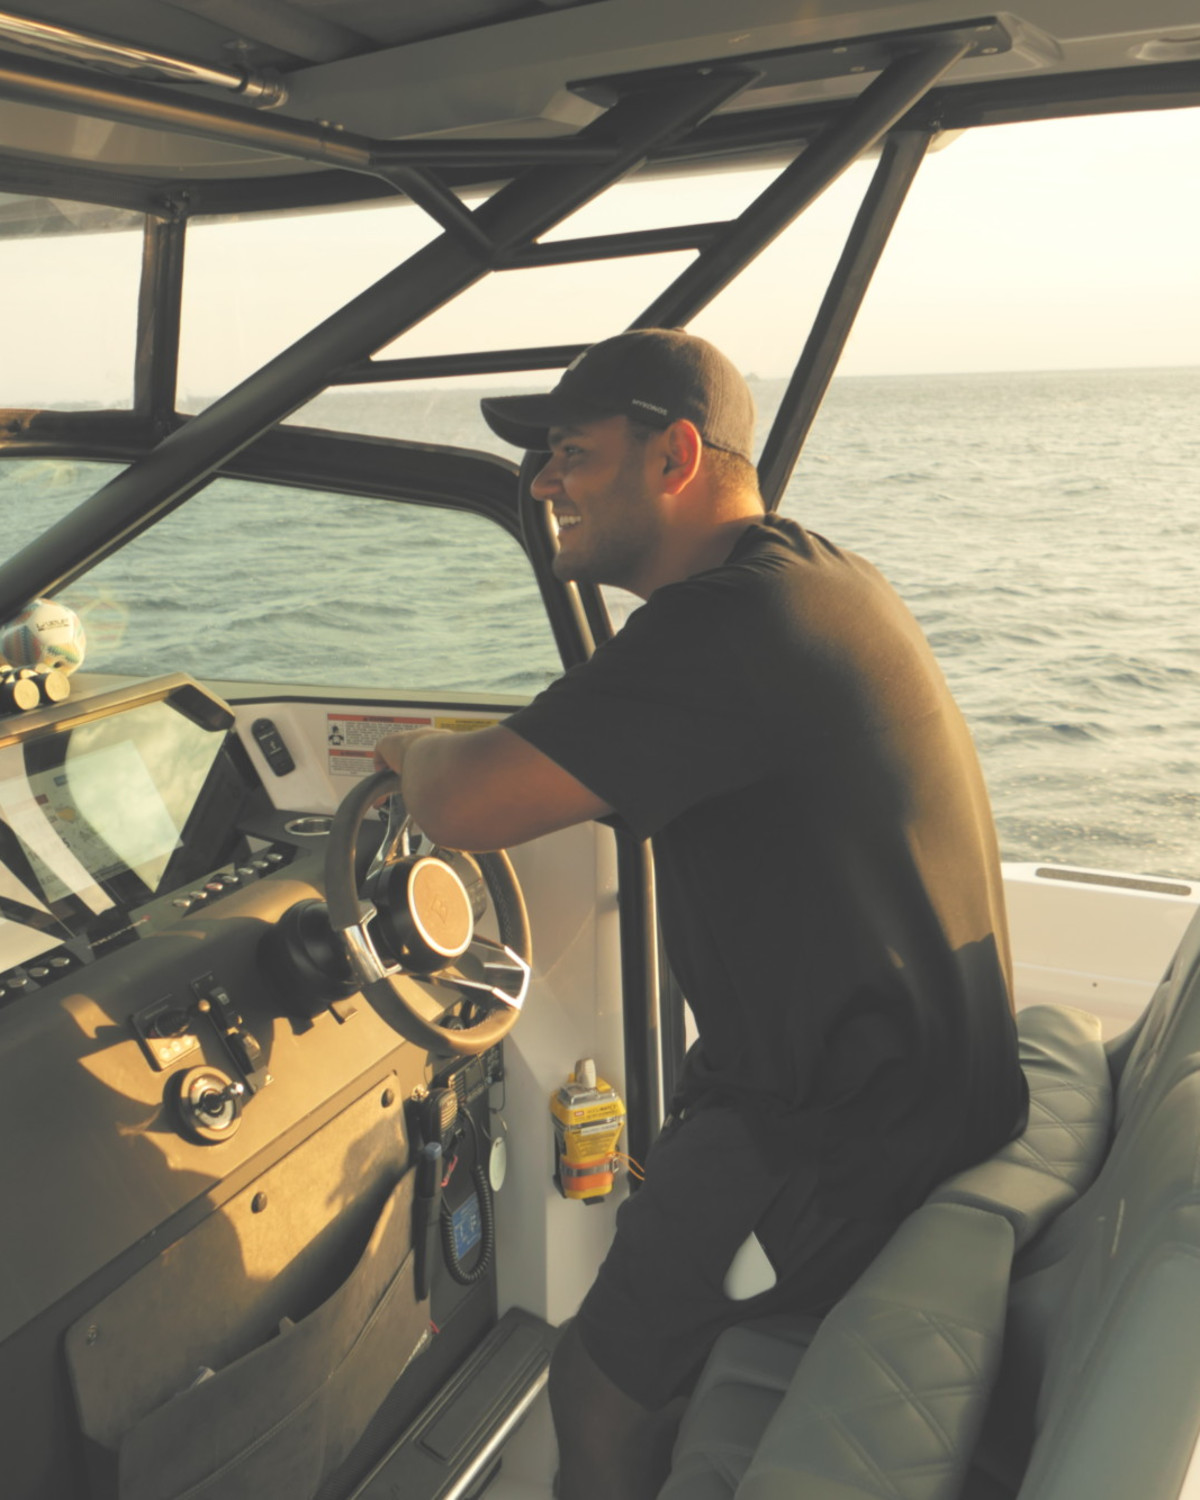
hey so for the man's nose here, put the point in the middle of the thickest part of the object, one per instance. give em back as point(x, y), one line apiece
point(545, 482)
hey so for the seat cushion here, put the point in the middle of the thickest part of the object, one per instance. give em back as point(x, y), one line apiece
point(743, 1382)
point(1055, 1159)
point(888, 1401)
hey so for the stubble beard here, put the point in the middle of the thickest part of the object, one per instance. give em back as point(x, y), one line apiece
point(618, 558)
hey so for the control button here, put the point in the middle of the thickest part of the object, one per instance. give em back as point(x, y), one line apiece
point(274, 857)
point(40, 971)
point(270, 742)
point(261, 864)
point(214, 886)
point(229, 880)
point(184, 903)
point(60, 961)
point(17, 982)
point(244, 871)
point(197, 896)
point(167, 1031)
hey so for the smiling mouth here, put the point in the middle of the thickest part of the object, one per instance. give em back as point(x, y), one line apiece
point(565, 523)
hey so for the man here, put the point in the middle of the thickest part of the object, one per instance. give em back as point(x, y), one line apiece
point(828, 877)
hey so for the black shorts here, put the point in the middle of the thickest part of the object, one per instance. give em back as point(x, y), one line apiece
point(658, 1302)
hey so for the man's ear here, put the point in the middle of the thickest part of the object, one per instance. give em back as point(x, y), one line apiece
point(682, 449)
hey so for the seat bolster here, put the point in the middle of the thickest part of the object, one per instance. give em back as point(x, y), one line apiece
point(890, 1397)
point(1045, 1169)
point(743, 1382)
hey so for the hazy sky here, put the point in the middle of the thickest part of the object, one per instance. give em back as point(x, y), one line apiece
point(1069, 244)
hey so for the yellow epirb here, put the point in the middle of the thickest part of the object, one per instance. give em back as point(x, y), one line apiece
point(589, 1116)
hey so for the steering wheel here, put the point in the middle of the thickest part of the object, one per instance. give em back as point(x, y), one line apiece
point(426, 918)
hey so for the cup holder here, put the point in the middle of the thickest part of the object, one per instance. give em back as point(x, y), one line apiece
point(311, 827)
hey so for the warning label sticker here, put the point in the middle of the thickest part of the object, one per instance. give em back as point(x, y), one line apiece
point(463, 726)
point(351, 738)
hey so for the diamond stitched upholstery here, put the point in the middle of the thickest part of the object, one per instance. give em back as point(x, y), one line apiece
point(1035, 1177)
point(889, 1399)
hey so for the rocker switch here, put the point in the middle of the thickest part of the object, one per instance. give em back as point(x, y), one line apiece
point(244, 1049)
point(270, 742)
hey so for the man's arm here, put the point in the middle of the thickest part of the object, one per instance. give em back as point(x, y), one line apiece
point(486, 789)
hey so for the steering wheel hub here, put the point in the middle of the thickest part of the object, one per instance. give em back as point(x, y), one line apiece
point(425, 915)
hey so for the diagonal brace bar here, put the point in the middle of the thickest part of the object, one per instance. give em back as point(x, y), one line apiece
point(882, 202)
point(436, 366)
point(876, 110)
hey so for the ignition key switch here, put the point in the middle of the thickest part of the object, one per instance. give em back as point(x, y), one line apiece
point(209, 1104)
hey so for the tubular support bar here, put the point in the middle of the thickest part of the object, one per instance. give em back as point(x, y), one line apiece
point(615, 246)
point(262, 89)
point(485, 362)
point(640, 988)
point(876, 110)
point(903, 154)
point(131, 103)
point(159, 301)
point(513, 217)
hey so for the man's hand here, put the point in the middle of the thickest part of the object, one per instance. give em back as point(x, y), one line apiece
point(392, 748)
point(485, 788)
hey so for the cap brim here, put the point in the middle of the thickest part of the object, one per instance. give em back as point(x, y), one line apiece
point(525, 421)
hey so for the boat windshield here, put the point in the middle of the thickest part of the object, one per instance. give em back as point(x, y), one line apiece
point(1010, 436)
point(254, 582)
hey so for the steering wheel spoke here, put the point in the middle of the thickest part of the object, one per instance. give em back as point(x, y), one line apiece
point(500, 974)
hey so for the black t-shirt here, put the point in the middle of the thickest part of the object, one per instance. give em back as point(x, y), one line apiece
point(829, 882)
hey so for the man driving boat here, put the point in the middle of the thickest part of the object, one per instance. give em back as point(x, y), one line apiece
point(828, 878)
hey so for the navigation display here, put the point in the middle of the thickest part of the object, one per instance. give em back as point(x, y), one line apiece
point(100, 817)
point(107, 815)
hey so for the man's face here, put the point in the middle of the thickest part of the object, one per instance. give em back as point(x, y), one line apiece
point(599, 482)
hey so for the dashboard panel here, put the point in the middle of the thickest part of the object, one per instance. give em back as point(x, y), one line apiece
point(144, 880)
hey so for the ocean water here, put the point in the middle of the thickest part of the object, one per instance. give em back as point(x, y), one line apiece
point(1044, 528)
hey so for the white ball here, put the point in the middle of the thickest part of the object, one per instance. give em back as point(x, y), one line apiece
point(44, 634)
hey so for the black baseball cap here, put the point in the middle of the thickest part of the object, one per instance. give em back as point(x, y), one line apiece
point(651, 375)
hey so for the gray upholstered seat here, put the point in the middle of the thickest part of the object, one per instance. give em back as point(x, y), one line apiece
point(890, 1397)
point(1098, 1395)
point(1029, 1181)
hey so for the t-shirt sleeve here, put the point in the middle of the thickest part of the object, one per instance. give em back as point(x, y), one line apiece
point(658, 719)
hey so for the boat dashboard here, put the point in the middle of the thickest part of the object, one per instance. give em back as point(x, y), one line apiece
point(213, 1123)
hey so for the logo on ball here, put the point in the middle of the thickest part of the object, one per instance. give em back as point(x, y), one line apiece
point(44, 634)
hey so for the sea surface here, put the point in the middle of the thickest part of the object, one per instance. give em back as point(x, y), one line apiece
point(1044, 528)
